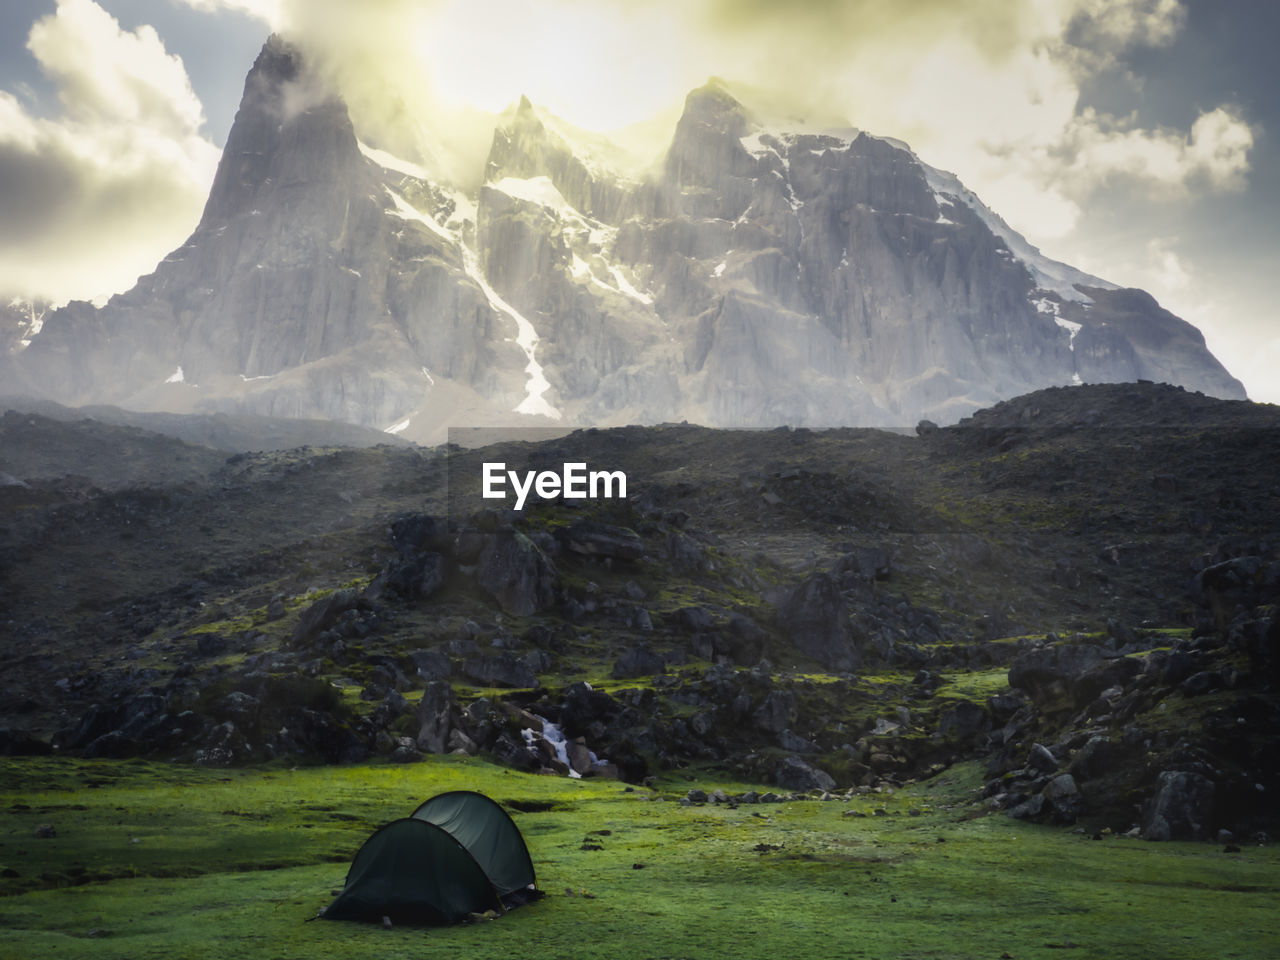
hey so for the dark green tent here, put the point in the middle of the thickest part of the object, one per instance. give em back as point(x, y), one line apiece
point(488, 833)
point(460, 853)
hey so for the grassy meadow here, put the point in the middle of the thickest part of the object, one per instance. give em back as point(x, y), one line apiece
point(158, 860)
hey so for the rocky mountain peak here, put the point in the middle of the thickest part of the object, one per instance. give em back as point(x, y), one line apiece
point(291, 131)
point(713, 104)
point(707, 143)
point(533, 144)
point(763, 275)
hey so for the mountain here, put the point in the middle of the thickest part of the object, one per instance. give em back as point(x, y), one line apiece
point(1076, 583)
point(761, 275)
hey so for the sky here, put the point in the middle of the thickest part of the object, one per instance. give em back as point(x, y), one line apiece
point(1136, 139)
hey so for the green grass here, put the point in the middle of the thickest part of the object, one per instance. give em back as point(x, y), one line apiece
point(231, 864)
point(975, 685)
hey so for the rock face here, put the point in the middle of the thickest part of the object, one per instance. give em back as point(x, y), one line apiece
point(1180, 808)
point(516, 573)
point(814, 615)
point(760, 276)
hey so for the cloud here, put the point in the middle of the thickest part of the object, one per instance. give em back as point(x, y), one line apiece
point(989, 89)
point(1111, 26)
point(269, 12)
point(96, 196)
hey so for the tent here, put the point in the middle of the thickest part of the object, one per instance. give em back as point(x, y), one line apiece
point(458, 854)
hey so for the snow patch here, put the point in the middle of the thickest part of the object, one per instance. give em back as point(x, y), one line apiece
point(539, 190)
point(1046, 305)
point(719, 270)
point(581, 270)
point(526, 339)
point(1047, 273)
point(430, 379)
point(177, 377)
point(625, 286)
point(391, 162)
point(34, 324)
point(1071, 327)
point(399, 427)
point(464, 209)
point(407, 211)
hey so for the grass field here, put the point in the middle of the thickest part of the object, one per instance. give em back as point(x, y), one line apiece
point(161, 860)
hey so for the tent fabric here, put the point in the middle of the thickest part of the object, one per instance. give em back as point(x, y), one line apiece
point(459, 853)
point(488, 833)
point(413, 872)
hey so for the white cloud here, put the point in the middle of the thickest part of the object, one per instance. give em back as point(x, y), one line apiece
point(96, 196)
point(268, 11)
point(1119, 24)
point(106, 74)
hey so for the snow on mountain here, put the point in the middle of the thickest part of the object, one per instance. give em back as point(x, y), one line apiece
point(763, 272)
point(1048, 274)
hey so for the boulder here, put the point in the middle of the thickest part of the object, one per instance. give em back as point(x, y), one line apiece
point(512, 754)
point(963, 720)
point(431, 664)
point(324, 613)
point(20, 743)
point(1063, 798)
point(694, 619)
point(816, 619)
point(863, 564)
point(685, 553)
point(406, 753)
point(113, 745)
point(795, 743)
point(416, 533)
point(1040, 758)
point(214, 644)
point(516, 573)
point(794, 774)
point(238, 706)
point(1049, 672)
point(1094, 759)
point(223, 746)
point(579, 756)
point(502, 670)
point(460, 741)
point(1112, 672)
point(1201, 683)
point(638, 662)
point(584, 706)
point(1180, 808)
point(97, 720)
point(591, 538)
point(777, 713)
point(434, 717)
point(418, 577)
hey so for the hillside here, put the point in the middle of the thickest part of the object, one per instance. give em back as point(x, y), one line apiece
point(1078, 583)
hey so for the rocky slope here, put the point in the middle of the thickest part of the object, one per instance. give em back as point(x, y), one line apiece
point(759, 276)
point(1068, 585)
